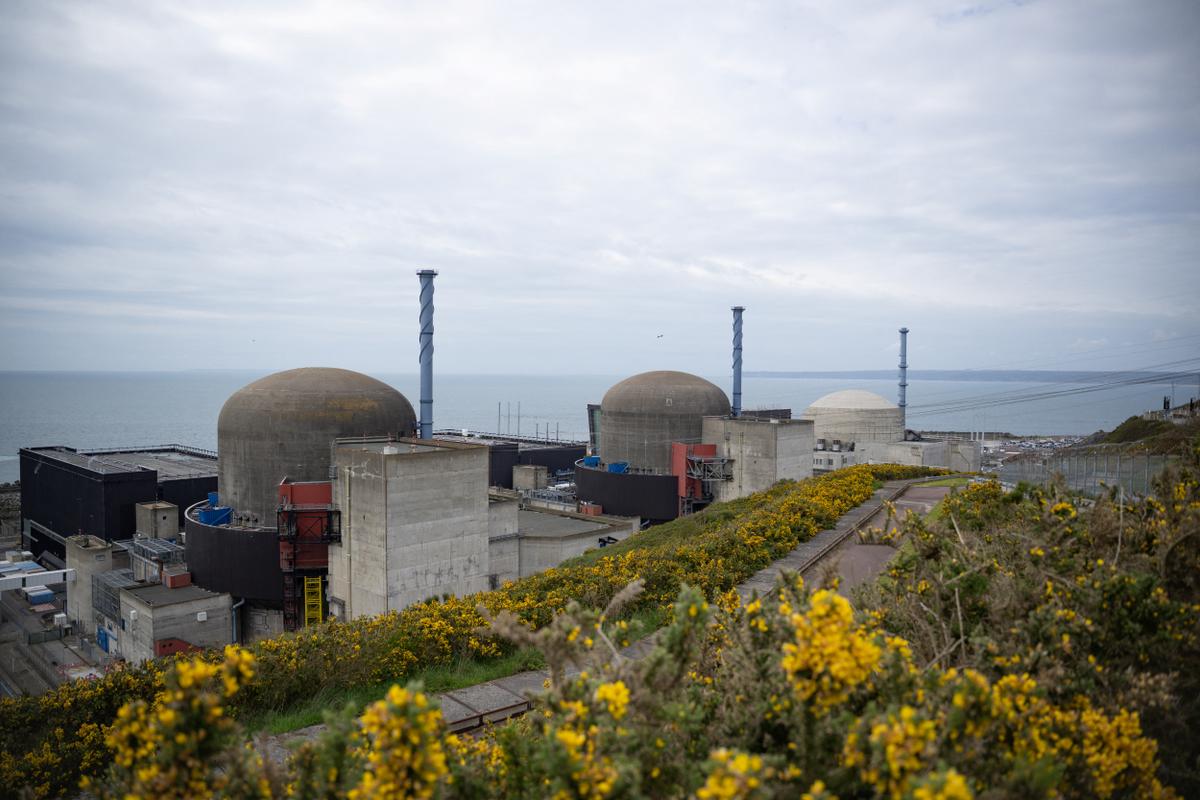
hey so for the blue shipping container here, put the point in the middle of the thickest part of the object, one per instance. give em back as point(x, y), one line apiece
point(619, 466)
point(41, 597)
point(212, 499)
point(591, 461)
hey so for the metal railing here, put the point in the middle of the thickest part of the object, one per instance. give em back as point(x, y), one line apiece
point(1090, 472)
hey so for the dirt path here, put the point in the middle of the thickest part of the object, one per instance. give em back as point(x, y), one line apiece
point(856, 563)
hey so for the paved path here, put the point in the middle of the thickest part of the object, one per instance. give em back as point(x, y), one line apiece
point(474, 706)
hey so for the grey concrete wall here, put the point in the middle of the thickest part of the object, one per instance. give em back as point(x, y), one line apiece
point(860, 425)
point(414, 526)
point(358, 567)
point(827, 460)
point(157, 520)
point(644, 440)
point(763, 452)
point(88, 556)
point(964, 456)
point(259, 622)
point(176, 621)
point(914, 454)
point(504, 560)
point(437, 524)
point(503, 551)
point(530, 476)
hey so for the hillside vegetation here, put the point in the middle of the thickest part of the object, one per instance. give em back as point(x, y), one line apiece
point(1024, 647)
point(1153, 435)
point(47, 743)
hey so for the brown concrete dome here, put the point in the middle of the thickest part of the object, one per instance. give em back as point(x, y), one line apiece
point(282, 426)
point(641, 416)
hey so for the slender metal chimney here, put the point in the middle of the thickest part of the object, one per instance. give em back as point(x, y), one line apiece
point(736, 411)
point(903, 378)
point(426, 276)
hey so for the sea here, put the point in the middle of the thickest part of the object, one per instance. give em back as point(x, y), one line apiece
point(133, 409)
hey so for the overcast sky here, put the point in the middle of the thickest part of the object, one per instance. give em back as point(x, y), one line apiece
point(211, 185)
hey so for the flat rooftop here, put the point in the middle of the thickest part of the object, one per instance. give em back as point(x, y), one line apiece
point(157, 595)
point(171, 462)
point(546, 524)
point(490, 439)
point(402, 446)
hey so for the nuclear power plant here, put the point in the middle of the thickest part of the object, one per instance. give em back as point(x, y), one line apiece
point(329, 497)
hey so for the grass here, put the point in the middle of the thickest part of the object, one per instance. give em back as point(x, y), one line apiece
point(1135, 429)
point(467, 672)
point(956, 481)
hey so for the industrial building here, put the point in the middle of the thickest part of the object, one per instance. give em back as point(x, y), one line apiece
point(508, 453)
point(853, 426)
point(65, 492)
point(670, 443)
point(137, 599)
point(263, 537)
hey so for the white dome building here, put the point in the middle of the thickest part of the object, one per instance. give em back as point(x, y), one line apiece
point(854, 415)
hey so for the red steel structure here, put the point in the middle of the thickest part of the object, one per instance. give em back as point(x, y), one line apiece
point(307, 523)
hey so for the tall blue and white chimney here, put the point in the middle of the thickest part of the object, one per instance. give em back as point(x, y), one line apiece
point(426, 276)
point(736, 411)
point(903, 378)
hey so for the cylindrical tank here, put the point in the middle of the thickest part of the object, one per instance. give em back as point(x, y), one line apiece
point(283, 425)
point(853, 415)
point(641, 416)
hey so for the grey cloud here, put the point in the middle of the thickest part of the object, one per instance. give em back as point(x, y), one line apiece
point(580, 169)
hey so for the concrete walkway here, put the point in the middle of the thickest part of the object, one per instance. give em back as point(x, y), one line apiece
point(474, 706)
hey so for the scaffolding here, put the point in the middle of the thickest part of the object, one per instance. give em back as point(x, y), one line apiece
point(301, 525)
point(106, 591)
point(148, 556)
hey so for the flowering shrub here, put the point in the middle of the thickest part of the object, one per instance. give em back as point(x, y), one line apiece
point(183, 745)
point(404, 752)
point(659, 727)
point(1098, 606)
point(47, 742)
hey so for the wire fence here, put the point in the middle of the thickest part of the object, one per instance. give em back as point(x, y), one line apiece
point(1092, 472)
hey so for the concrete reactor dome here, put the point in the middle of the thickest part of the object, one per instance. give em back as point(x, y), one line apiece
point(854, 415)
point(641, 416)
point(283, 425)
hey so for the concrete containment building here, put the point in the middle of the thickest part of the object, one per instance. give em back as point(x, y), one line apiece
point(281, 426)
point(670, 445)
point(857, 427)
point(264, 536)
point(641, 416)
point(853, 415)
